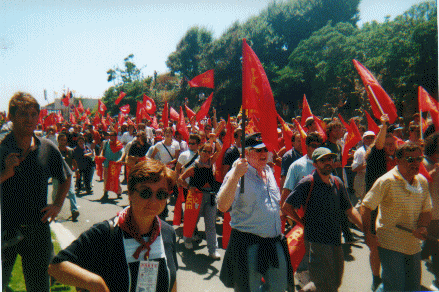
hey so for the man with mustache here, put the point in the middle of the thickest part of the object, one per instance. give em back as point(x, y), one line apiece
point(325, 203)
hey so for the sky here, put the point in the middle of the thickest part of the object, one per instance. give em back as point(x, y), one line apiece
point(60, 44)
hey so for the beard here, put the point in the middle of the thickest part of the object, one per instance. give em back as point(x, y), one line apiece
point(326, 170)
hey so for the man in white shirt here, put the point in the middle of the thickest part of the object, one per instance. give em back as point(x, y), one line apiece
point(359, 165)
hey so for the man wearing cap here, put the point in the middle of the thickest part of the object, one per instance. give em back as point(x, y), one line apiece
point(256, 248)
point(325, 208)
point(311, 125)
point(359, 164)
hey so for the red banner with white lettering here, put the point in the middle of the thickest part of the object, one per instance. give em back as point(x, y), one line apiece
point(192, 209)
point(149, 104)
point(112, 183)
point(296, 245)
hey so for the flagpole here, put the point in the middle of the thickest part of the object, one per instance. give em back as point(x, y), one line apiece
point(375, 99)
point(420, 123)
point(244, 117)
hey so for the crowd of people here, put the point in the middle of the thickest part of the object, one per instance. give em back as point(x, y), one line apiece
point(379, 192)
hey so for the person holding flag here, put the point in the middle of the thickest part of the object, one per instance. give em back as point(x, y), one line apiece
point(112, 150)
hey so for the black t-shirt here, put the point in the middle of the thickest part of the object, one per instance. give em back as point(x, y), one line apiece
point(376, 166)
point(139, 151)
point(83, 162)
point(325, 210)
point(102, 252)
point(231, 155)
point(203, 175)
point(24, 195)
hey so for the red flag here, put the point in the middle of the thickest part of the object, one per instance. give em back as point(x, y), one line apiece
point(43, 113)
point(189, 112)
point(50, 120)
point(181, 126)
point(154, 123)
point(77, 113)
point(72, 119)
point(302, 136)
point(121, 95)
point(173, 114)
point(257, 95)
point(139, 112)
point(306, 111)
point(125, 109)
point(424, 172)
point(101, 107)
point(87, 121)
point(80, 107)
point(165, 119)
point(204, 109)
point(66, 98)
point(352, 139)
point(321, 128)
point(296, 245)
point(178, 208)
point(192, 209)
point(203, 80)
point(130, 122)
point(59, 117)
point(371, 125)
point(96, 120)
point(120, 119)
point(109, 119)
point(112, 183)
point(104, 123)
point(227, 230)
point(427, 103)
point(227, 142)
point(149, 104)
point(343, 122)
point(381, 95)
point(99, 167)
point(286, 133)
point(87, 112)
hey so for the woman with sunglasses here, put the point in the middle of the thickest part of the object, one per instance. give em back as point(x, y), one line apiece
point(135, 251)
point(201, 178)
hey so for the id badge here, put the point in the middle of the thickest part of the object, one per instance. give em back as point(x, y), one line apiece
point(147, 277)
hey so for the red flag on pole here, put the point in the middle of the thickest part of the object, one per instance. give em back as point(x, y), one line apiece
point(96, 120)
point(72, 119)
point(227, 230)
point(173, 114)
point(178, 208)
point(427, 103)
point(203, 80)
point(60, 117)
point(343, 122)
point(306, 111)
point(149, 104)
point(189, 112)
point(121, 119)
point(181, 126)
point(77, 113)
point(87, 112)
point(165, 119)
point(66, 98)
point(204, 109)
point(257, 95)
point(80, 107)
point(125, 109)
point(139, 112)
point(154, 123)
point(286, 133)
point(42, 115)
point(302, 136)
point(321, 128)
point(352, 139)
point(380, 101)
point(227, 142)
point(109, 119)
point(121, 95)
point(50, 120)
point(371, 125)
point(101, 107)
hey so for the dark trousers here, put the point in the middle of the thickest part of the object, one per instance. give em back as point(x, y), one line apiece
point(85, 175)
point(36, 252)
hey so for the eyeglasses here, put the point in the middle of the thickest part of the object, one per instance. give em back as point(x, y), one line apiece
point(147, 194)
point(259, 150)
point(205, 151)
point(326, 159)
point(413, 159)
point(314, 145)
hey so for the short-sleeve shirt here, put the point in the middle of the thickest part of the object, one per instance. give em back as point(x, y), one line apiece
point(184, 159)
point(359, 158)
point(139, 151)
point(399, 204)
point(256, 211)
point(166, 156)
point(289, 157)
point(231, 155)
point(298, 170)
point(83, 162)
point(325, 210)
point(24, 195)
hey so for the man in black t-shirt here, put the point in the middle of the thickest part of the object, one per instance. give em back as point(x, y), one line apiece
point(233, 152)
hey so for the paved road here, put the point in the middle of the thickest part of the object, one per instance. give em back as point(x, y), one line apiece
point(197, 272)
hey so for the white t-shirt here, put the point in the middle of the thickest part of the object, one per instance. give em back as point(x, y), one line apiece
point(184, 158)
point(359, 157)
point(126, 138)
point(164, 155)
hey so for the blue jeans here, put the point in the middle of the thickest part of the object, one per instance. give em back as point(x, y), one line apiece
point(71, 194)
point(275, 278)
point(400, 272)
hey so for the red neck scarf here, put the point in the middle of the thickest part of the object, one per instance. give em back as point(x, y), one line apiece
point(115, 146)
point(129, 225)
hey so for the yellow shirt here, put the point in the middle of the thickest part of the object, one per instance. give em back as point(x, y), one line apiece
point(400, 203)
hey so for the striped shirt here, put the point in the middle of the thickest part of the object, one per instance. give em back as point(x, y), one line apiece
point(400, 203)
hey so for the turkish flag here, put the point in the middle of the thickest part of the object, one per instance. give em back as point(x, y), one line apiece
point(165, 119)
point(121, 95)
point(192, 209)
point(125, 109)
point(66, 98)
point(257, 95)
point(286, 133)
point(352, 139)
point(173, 114)
point(189, 112)
point(427, 103)
point(181, 126)
point(149, 104)
point(203, 80)
point(381, 95)
point(204, 109)
point(306, 111)
point(101, 107)
point(80, 107)
point(371, 125)
point(112, 183)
